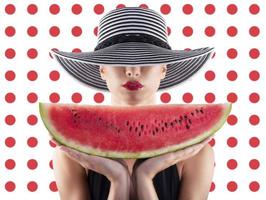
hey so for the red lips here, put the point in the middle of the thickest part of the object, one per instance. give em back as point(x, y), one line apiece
point(133, 85)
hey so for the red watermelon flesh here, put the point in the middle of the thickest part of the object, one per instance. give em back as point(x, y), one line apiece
point(132, 131)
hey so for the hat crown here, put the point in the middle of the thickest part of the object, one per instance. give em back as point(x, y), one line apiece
point(132, 20)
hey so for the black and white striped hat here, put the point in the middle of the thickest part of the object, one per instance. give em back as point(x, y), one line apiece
point(133, 36)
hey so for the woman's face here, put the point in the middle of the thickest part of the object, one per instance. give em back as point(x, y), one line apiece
point(149, 76)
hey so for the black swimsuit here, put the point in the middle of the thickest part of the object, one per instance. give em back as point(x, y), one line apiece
point(166, 184)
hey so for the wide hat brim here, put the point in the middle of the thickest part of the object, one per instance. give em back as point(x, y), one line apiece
point(181, 64)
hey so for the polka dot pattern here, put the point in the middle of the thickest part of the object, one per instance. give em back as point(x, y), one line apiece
point(29, 75)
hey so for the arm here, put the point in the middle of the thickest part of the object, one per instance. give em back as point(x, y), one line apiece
point(197, 175)
point(70, 177)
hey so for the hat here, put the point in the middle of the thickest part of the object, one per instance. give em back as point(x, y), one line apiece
point(133, 36)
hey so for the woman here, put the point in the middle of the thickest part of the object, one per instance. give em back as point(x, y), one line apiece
point(184, 174)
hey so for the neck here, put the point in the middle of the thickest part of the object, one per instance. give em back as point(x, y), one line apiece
point(115, 101)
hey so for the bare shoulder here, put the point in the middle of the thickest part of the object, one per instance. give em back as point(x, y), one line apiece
point(205, 157)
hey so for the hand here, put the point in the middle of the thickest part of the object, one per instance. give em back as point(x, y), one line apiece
point(152, 166)
point(113, 169)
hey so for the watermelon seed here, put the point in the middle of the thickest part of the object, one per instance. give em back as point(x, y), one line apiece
point(139, 133)
point(153, 132)
point(163, 129)
point(172, 124)
point(130, 128)
point(192, 113)
point(181, 117)
point(136, 129)
point(201, 110)
point(165, 124)
point(142, 126)
point(127, 123)
point(187, 126)
point(197, 110)
point(180, 121)
point(157, 129)
point(185, 116)
point(189, 120)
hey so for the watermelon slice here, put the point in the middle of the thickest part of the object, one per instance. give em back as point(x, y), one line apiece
point(132, 131)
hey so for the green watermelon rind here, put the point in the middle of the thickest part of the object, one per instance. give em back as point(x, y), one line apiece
point(143, 154)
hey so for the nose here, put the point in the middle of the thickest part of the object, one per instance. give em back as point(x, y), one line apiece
point(133, 71)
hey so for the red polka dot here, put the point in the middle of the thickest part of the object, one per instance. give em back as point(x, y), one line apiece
point(10, 97)
point(76, 9)
point(254, 31)
point(232, 97)
point(76, 31)
point(254, 9)
point(10, 31)
point(10, 164)
point(254, 164)
point(76, 97)
point(231, 120)
point(254, 53)
point(210, 9)
point(209, 31)
point(10, 9)
point(209, 97)
point(120, 6)
point(32, 31)
point(10, 75)
point(10, 119)
point(232, 75)
point(187, 31)
point(10, 142)
point(32, 53)
point(187, 97)
point(254, 120)
point(212, 142)
point(232, 142)
point(32, 75)
point(32, 97)
point(32, 164)
point(10, 186)
point(232, 9)
point(187, 9)
point(212, 188)
point(52, 144)
point(51, 164)
point(53, 186)
point(32, 186)
point(165, 97)
point(54, 9)
point(254, 75)
point(32, 9)
point(10, 53)
point(209, 75)
point(232, 186)
point(232, 164)
point(254, 142)
point(143, 6)
point(54, 97)
point(232, 53)
point(254, 186)
point(98, 9)
point(32, 142)
point(54, 75)
point(254, 97)
point(232, 31)
point(98, 97)
point(168, 30)
point(54, 31)
point(32, 119)
point(165, 9)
